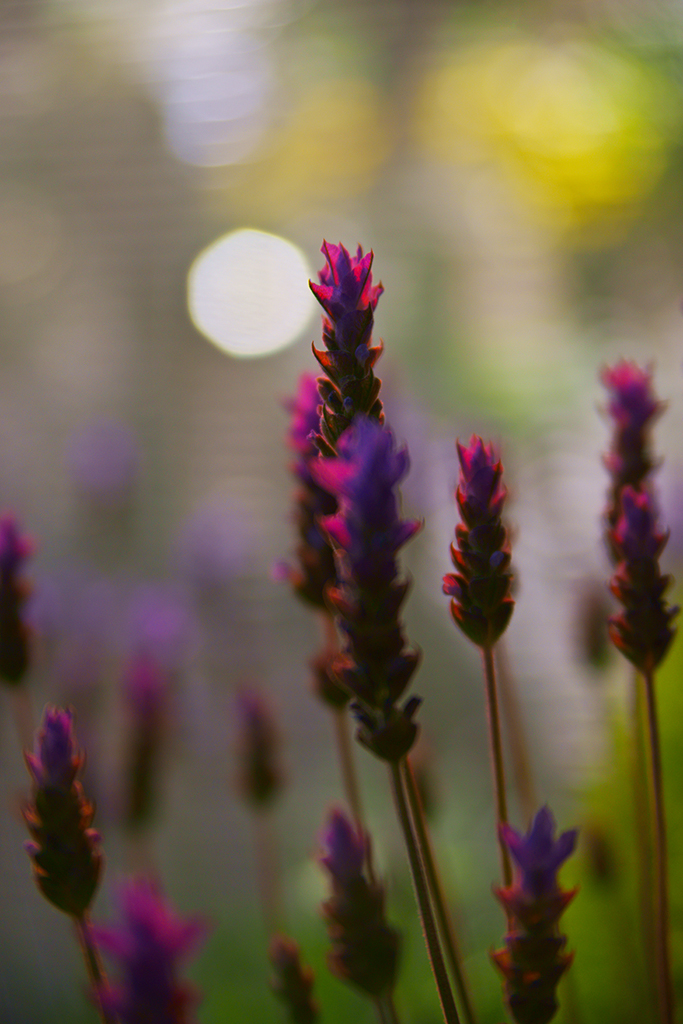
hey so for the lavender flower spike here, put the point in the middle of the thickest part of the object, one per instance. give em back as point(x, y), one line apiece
point(14, 633)
point(367, 532)
point(643, 629)
point(633, 406)
point(349, 298)
point(480, 588)
point(148, 944)
point(67, 861)
point(364, 947)
point(533, 959)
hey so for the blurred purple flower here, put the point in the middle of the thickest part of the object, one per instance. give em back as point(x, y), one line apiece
point(14, 591)
point(215, 545)
point(643, 630)
point(103, 459)
point(67, 861)
point(159, 624)
point(259, 775)
point(54, 761)
point(538, 854)
point(343, 849)
point(148, 945)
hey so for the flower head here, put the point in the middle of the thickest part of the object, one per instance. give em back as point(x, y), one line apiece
point(54, 762)
point(292, 982)
point(533, 958)
point(364, 947)
point(343, 848)
point(67, 861)
point(348, 298)
point(346, 283)
point(632, 406)
point(367, 532)
point(481, 604)
point(643, 630)
point(260, 777)
point(538, 854)
point(148, 944)
point(14, 633)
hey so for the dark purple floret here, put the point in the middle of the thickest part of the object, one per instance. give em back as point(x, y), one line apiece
point(533, 958)
point(538, 854)
point(149, 944)
point(259, 774)
point(292, 981)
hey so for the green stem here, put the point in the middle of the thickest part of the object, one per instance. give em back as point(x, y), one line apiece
point(643, 839)
point(443, 917)
point(496, 748)
point(661, 890)
point(448, 1007)
point(93, 964)
point(267, 867)
point(519, 748)
point(386, 1009)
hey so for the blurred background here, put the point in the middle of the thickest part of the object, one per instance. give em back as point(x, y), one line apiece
point(168, 171)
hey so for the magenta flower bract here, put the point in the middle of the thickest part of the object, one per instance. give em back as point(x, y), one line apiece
point(367, 532)
point(364, 947)
point(14, 633)
point(533, 959)
point(149, 944)
point(67, 860)
point(349, 298)
point(481, 604)
point(643, 630)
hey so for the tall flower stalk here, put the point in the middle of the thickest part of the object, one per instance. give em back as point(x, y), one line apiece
point(643, 629)
point(375, 664)
point(481, 605)
point(65, 850)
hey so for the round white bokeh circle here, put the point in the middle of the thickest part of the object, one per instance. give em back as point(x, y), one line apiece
point(248, 293)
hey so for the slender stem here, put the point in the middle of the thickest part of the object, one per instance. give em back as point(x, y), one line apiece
point(347, 766)
point(448, 1007)
point(386, 1009)
point(443, 917)
point(496, 747)
point(267, 866)
point(93, 964)
point(519, 748)
point(661, 892)
point(643, 839)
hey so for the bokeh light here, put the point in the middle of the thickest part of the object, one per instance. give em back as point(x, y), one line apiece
point(247, 293)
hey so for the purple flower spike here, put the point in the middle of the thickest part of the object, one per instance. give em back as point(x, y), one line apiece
point(259, 776)
point(643, 630)
point(481, 604)
point(343, 849)
point(533, 958)
point(367, 532)
point(633, 407)
point(67, 861)
point(364, 947)
point(14, 633)
point(348, 298)
point(538, 854)
point(149, 944)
